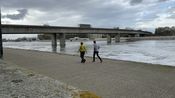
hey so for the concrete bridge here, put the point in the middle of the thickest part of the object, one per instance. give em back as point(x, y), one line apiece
point(62, 31)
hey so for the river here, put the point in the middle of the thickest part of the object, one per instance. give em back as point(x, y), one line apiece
point(152, 51)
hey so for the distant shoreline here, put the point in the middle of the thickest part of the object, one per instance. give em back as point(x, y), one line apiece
point(122, 39)
point(152, 38)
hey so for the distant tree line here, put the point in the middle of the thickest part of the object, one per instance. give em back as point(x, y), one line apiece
point(165, 31)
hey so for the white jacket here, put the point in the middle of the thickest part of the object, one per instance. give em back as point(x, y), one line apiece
point(96, 47)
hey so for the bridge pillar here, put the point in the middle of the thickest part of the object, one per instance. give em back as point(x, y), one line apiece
point(1, 46)
point(137, 35)
point(109, 39)
point(54, 42)
point(117, 37)
point(62, 41)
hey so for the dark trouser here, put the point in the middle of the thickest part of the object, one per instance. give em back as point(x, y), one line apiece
point(82, 57)
point(96, 53)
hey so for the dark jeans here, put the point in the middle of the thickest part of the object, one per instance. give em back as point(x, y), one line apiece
point(82, 57)
point(96, 53)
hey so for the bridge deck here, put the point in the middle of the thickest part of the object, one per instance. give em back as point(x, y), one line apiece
point(34, 29)
point(110, 79)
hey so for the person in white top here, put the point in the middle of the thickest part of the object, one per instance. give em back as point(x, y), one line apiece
point(96, 51)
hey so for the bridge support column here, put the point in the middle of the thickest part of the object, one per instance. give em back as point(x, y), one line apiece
point(117, 38)
point(109, 39)
point(137, 35)
point(54, 42)
point(1, 46)
point(62, 41)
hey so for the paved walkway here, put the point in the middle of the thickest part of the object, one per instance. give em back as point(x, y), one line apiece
point(110, 79)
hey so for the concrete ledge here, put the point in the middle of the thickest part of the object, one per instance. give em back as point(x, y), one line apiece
point(17, 82)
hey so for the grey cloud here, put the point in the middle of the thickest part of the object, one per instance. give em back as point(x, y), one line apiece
point(113, 16)
point(172, 16)
point(22, 13)
point(134, 2)
point(171, 12)
point(91, 11)
point(45, 5)
point(162, 0)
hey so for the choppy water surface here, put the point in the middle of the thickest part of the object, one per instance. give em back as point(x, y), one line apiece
point(154, 51)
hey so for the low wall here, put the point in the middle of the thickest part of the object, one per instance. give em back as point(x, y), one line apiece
point(16, 82)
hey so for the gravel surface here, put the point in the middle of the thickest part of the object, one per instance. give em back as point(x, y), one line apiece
point(16, 82)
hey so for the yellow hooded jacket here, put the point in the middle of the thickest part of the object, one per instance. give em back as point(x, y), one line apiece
point(82, 48)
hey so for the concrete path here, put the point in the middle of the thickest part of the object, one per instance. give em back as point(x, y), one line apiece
point(110, 79)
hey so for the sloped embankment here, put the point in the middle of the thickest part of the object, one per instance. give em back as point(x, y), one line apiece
point(16, 82)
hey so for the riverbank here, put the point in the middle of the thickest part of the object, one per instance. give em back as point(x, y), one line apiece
point(151, 38)
point(17, 82)
point(156, 52)
point(110, 79)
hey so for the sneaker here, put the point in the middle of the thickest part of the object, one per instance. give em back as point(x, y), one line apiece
point(84, 61)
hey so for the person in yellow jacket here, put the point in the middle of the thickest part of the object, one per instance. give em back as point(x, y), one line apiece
point(82, 51)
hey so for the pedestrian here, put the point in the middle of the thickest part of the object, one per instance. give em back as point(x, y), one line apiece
point(82, 51)
point(96, 52)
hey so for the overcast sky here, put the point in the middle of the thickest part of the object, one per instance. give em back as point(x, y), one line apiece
point(137, 14)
